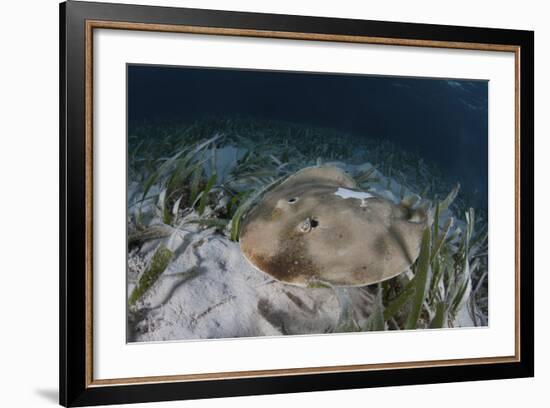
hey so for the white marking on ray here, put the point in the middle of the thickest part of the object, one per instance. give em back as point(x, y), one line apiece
point(360, 195)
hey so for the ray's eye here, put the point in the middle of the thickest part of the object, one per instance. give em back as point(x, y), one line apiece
point(308, 224)
point(292, 200)
point(305, 226)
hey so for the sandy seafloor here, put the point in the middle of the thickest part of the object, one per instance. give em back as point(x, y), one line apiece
point(209, 290)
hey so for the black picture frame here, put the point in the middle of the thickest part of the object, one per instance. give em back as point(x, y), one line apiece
point(76, 386)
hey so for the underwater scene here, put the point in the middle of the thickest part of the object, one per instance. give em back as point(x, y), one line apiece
point(272, 203)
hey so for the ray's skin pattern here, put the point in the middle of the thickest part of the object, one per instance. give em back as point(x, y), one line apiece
point(317, 227)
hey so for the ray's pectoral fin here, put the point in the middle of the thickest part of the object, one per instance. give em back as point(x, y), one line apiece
point(402, 245)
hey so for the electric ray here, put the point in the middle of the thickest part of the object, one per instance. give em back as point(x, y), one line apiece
point(318, 227)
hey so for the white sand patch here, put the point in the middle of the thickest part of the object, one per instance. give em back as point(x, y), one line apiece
point(211, 291)
point(222, 160)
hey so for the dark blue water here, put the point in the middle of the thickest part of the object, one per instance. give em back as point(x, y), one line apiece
point(446, 121)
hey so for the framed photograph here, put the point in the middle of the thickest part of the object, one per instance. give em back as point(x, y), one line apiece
point(256, 204)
